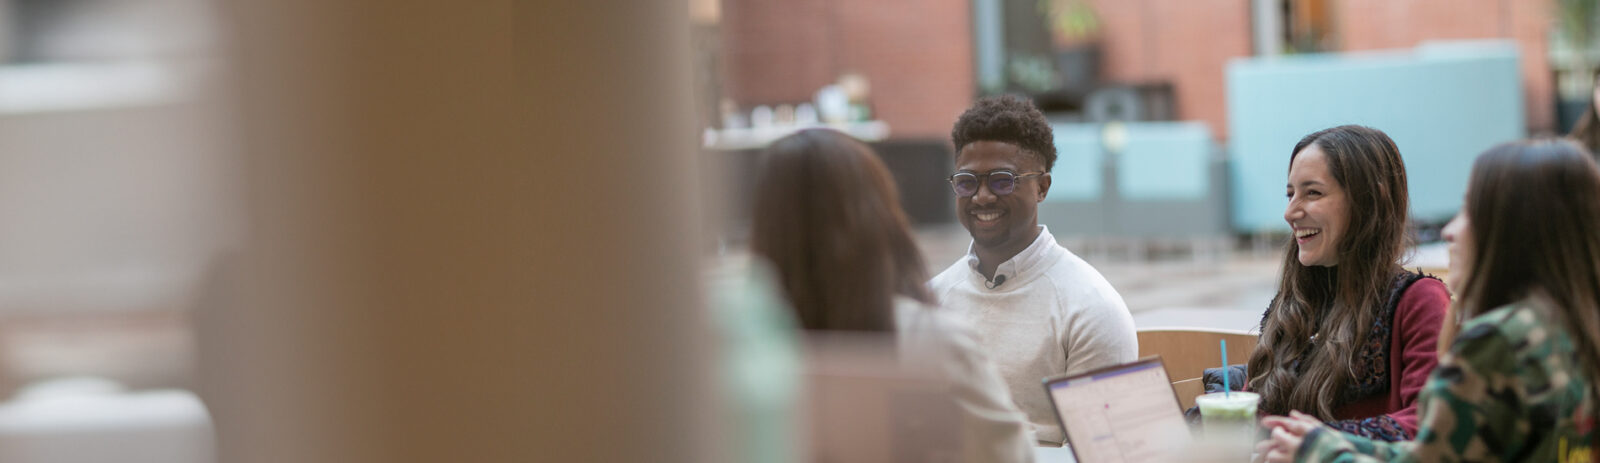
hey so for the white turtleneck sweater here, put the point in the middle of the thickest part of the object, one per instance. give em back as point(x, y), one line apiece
point(1053, 314)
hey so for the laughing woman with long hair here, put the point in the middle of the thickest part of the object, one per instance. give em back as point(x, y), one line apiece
point(1518, 381)
point(1350, 336)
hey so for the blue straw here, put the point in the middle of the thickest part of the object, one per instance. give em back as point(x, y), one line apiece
point(1225, 386)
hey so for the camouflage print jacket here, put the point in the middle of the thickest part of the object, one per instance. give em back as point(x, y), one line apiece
point(1509, 390)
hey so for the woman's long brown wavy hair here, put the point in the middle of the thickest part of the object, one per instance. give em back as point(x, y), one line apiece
point(1534, 211)
point(1336, 304)
point(827, 216)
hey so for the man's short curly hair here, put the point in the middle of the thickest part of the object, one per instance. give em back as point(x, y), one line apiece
point(1007, 119)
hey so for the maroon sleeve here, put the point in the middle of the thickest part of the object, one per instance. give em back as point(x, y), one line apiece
point(1414, 347)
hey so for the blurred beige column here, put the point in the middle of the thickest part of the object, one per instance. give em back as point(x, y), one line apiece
point(471, 236)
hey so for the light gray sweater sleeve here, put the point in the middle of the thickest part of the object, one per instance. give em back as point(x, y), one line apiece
point(1098, 331)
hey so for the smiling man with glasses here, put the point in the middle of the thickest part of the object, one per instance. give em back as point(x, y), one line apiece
point(1039, 310)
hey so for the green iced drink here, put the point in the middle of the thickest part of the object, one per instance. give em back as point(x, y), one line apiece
point(1235, 411)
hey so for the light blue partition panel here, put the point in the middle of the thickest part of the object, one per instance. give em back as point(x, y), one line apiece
point(1079, 163)
point(1165, 161)
point(1442, 103)
point(1166, 173)
point(1161, 161)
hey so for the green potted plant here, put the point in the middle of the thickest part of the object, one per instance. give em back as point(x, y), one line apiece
point(1075, 35)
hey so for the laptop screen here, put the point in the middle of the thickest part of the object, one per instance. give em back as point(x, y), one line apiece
point(1122, 413)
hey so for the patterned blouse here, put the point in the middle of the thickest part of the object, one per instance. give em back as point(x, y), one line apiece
point(1510, 389)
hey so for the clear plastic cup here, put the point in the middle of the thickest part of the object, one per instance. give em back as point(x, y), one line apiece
point(1229, 419)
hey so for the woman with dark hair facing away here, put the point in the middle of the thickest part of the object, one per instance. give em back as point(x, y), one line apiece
point(1517, 382)
point(1351, 336)
point(828, 219)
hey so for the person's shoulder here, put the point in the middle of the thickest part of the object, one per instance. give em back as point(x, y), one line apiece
point(1427, 284)
point(1425, 301)
point(950, 276)
point(1490, 320)
point(1518, 320)
point(1078, 282)
point(1065, 266)
point(931, 326)
point(1426, 289)
point(1508, 340)
point(913, 314)
point(1503, 326)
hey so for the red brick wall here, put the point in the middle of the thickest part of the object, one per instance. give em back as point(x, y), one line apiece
point(916, 54)
point(1186, 42)
point(1379, 24)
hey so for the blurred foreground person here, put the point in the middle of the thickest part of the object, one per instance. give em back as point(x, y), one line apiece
point(829, 222)
point(1518, 383)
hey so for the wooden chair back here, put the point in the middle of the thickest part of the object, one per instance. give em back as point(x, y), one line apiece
point(1187, 352)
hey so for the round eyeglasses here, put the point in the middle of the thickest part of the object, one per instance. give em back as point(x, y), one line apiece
point(1001, 182)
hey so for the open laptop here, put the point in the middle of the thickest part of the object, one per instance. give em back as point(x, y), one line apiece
point(1122, 413)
